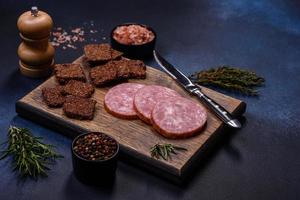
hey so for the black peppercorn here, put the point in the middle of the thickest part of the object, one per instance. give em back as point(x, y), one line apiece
point(95, 146)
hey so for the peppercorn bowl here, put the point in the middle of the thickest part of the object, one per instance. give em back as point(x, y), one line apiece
point(94, 158)
point(136, 41)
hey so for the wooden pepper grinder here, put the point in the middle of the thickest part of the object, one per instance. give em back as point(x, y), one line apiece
point(35, 52)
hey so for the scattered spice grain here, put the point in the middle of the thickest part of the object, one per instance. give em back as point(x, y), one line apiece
point(72, 38)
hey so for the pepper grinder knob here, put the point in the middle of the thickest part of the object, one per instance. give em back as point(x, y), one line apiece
point(34, 11)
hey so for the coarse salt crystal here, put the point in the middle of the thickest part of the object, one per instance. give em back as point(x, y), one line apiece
point(133, 34)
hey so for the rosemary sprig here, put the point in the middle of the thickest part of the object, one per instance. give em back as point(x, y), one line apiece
point(164, 151)
point(30, 156)
point(230, 78)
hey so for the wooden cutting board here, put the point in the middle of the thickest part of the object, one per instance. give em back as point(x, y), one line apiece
point(134, 136)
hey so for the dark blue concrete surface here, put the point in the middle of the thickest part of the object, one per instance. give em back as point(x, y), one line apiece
point(261, 161)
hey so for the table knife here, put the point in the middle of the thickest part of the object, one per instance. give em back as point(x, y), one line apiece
point(195, 90)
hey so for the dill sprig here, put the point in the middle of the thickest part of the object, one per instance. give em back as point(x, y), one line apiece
point(164, 151)
point(230, 78)
point(30, 156)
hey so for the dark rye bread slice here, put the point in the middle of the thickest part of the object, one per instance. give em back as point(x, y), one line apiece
point(103, 74)
point(53, 97)
point(69, 71)
point(100, 53)
point(79, 108)
point(130, 68)
point(137, 69)
point(78, 88)
point(123, 71)
point(115, 55)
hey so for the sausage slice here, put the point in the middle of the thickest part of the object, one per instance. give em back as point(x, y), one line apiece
point(178, 118)
point(118, 101)
point(146, 98)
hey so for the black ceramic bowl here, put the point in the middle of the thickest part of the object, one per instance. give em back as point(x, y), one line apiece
point(142, 51)
point(94, 172)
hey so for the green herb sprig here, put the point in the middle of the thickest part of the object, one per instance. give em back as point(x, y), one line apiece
point(164, 151)
point(30, 156)
point(230, 78)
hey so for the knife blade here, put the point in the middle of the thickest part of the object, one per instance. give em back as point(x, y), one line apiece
point(195, 90)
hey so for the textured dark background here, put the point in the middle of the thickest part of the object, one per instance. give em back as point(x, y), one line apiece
point(261, 161)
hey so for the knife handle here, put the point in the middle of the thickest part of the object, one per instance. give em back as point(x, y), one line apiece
point(221, 112)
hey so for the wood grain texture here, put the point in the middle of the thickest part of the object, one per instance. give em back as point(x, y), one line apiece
point(134, 136)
